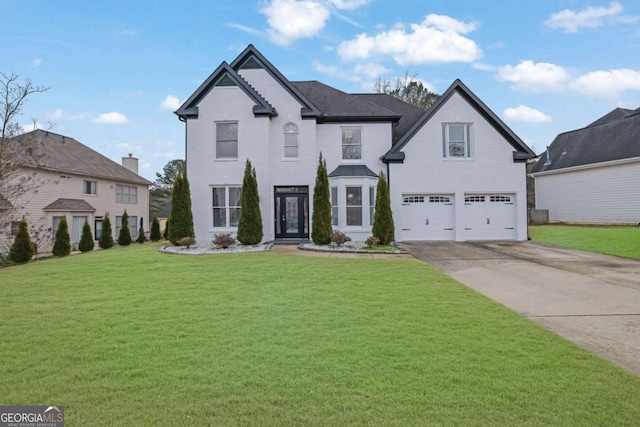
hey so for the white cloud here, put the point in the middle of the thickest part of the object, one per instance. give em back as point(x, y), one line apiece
point(334, 71)
point(290, 20)
point(437, 39)
point(170, 103)
point(372, 69)
point(482, 67)
point(31, 126)
point(532, 77)
point(571, 21)
point(522, 113)
point(248, 30)
point(36, 63)
point(113, 117)
point(347, 19)
point(129, 148)
point(348, 4)
point(607, 84)
point(60, 114)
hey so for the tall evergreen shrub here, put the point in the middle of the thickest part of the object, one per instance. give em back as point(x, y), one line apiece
point(155, 230)
point(124, 238)
point(181, 216)
point(86, 241)
point(321, 228)
point(250, 221)
point(106, 235)
point(165, 233)
point(141, 238)
point(383, 227)
point(62, 244)
point(22, 249)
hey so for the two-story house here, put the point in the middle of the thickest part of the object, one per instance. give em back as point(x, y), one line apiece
point(69, 179)
point(456, 171)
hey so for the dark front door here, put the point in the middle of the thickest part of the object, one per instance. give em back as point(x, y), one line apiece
point(292, 212)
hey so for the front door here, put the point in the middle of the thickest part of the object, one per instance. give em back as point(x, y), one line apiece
point(292, 212)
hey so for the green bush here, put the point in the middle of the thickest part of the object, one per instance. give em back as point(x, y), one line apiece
point(181, 216)
point(383, 227)
point(165, 233)
point(321, 227)
point(106, 235)
point(124, 238)
point(141, 238)
point(86, 241)
point(155, 230)
point(62, 244)
point(250, 221)
point(371, 241)
point(22, 249)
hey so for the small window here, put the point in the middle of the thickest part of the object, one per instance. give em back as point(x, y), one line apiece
point(354, 206)
point(14, 227)
point(439, 199)
point(351, 143)
point(474, 199)
point(413, 199)
point(54, 226)
point(126, 194)
point(90, 187)
point(98, 228)
point(226, 206)
point(227, 140)
point(290, 141)
point(77, 223)
point(456, 142)
point(372, 204)
point(504, 199)
point(334, 206)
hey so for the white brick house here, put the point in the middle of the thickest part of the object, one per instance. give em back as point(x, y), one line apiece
point(456, 171)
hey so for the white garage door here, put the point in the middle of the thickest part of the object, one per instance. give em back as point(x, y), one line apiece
point(489, 217)
point(427, 217)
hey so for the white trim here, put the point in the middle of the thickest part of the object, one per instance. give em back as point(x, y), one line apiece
point(589, 166)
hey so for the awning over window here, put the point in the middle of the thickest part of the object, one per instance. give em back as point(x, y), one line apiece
point(352, 170)
point(69, 205)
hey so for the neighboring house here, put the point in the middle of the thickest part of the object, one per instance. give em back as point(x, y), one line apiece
point(456, 171)
point(592, 175)
point(74, 181)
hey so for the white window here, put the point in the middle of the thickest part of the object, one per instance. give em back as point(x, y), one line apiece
point(226, 206)
point(439, 199)
point(456, 142)
point(90, 187)
point(290, 141)
point(15, 225)
point(54, 226)
point(126, 194)
point(372, 203)
point(474, 199)
point(133, 226)
point(505, 199)
point(227, 140)
point(334, 206)
point(354, 205)
point(351, 143)
point(413, 199)
point(76, 227)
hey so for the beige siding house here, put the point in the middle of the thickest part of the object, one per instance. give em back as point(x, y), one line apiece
point(68, 179)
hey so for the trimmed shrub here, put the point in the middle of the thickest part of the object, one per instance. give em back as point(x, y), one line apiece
point(250, 221)
point(106, 235)
point(321, 220)
point(338, 238)
point(155, 230)
point(22, 249)
point(165, 233)
point(62, 244)
point(86, 241)
point(141, 238)
point(383, 227)
point(224, 240)
point(124, 238)
point(181, 216)
point(371, 241)
point(187, 241)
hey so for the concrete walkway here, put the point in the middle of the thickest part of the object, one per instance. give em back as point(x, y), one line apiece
point(590, 299)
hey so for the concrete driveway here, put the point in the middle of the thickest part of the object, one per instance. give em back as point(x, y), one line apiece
point(590, 299)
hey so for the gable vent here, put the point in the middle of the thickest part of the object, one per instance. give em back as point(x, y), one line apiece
point(225, 81)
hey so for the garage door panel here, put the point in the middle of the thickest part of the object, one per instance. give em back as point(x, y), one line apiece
point(490, 217)
point(427, 217)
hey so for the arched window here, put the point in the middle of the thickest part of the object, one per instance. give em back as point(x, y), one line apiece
point(290, 140)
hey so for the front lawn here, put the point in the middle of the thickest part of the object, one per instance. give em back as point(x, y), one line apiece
point(614, 240)
point(130, 336)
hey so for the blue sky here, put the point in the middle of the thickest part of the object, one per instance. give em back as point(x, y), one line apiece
point(117, 69)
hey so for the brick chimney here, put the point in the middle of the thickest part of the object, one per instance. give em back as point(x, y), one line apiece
point(130, 163)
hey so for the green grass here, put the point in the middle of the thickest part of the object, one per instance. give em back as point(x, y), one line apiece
point(130, 336)
point(614, 240)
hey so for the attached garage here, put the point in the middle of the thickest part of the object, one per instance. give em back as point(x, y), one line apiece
point(489, 217)
point(427, 217)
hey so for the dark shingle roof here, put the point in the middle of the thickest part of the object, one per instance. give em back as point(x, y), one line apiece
point(612, 139)
point(61, 153)
point(352, 170)
point(69, 205)
point(336, 105)
point(410, 113)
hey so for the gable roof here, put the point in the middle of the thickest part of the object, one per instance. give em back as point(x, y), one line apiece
point(338, 106)
point(69, 205)
point(54, 152)
point(522, 151)
point(225, 75)
point(615, 136)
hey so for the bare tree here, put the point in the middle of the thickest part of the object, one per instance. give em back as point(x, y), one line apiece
point(15, 181)
point(409, 89)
